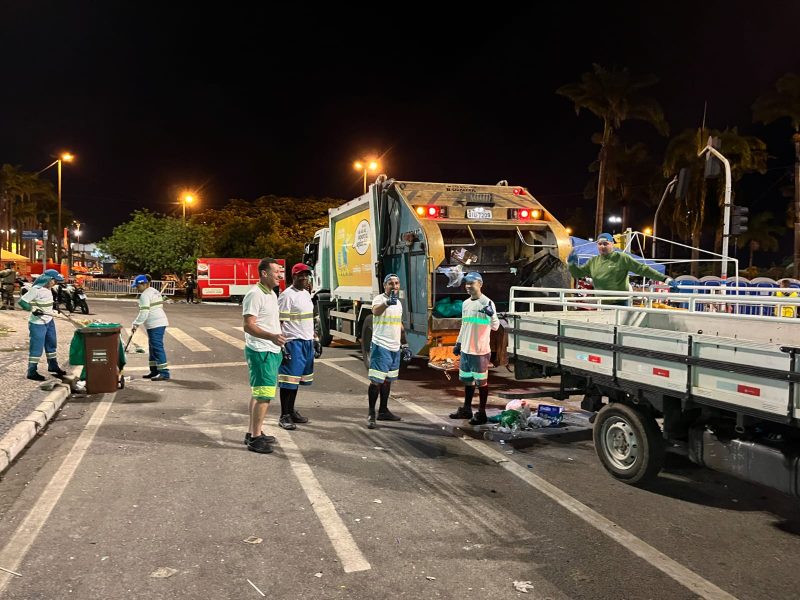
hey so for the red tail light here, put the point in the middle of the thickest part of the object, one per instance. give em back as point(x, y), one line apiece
point(432, 212)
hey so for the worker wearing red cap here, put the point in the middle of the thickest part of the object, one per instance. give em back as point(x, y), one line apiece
point(297, 325)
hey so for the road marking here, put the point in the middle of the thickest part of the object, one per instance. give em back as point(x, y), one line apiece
point(326, 361)
point(239, 328)
point(345, 371)
point(683, 575)
point(187, 340)
point(224, 337)
point(193, 366)
point(350, 556)
point(13, 553)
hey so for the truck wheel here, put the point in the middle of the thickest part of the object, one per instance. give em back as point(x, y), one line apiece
point(322, 331)
point(366, 341)
point(628, 443)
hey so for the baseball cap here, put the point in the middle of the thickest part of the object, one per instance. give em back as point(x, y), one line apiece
point(53, 274)
point(299, 268)
point(606, 236)
point(388, 277)
point(139, 279)
point(472, 277)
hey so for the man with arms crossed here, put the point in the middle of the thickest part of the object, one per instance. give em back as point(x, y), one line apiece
point(263, 343)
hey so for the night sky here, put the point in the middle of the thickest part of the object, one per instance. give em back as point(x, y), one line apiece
point(241, 100)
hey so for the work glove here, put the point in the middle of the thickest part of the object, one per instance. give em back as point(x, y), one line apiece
point(317, 349)
point(405, 353)
point(38, 312)
point(673, 286)
point(572, 259)
point(457, 349)
point(392, 300)
point(287, 356)
point(487, 310)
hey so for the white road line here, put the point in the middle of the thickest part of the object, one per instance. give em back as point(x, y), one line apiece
point(683, 575)
point(349, 554)
point(194, 366)
point(239, 343)
point(355, 376)
point(326, 361)
point(239, 328)
point(13, 553)
point(187, 340)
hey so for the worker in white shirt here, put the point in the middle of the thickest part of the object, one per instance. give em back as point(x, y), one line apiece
point(297, 324)
point(42, 329)
point(478, 320)
point(152, 316)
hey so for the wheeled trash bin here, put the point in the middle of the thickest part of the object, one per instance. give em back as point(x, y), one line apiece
point(98, 348)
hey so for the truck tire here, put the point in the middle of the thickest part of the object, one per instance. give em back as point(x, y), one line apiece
point(321, 327)
point(629, 443)
point(366, 341)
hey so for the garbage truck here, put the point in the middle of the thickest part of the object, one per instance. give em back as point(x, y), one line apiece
point(430, 235)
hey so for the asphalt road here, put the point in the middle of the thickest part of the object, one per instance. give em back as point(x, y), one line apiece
point(150, 493)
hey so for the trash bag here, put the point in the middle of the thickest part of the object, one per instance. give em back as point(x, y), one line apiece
point(442, 307)
point(454, 275)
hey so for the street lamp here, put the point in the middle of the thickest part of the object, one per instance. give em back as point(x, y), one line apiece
point(77, 233)
point(65, 157)
point(186, 199)
point(614, 220)
point(366, 165)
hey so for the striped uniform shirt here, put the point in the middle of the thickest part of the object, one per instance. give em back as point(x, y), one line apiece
point(151, 309)
point(41, 298)
point(476, 327)
point(296, 314)
point(386, 328)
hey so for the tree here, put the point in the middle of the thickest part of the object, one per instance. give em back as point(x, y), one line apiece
point(777, 104)
point(614, 96)
point(152, 243)
point(269, 226)
point(760, 235)
point(28, 201)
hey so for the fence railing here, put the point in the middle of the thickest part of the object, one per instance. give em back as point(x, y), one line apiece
point(123, 287)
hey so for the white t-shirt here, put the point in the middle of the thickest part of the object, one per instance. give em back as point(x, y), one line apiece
point(296, 314)
point(262, 303)
point(151, 309)
point(41, 298)
point(386, 327)
point(476, 327)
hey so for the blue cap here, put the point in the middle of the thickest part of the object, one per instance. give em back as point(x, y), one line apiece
point(42, 280)
point(53, 274)
point(139, 279)
point(389, 276)
point(472, 277)
point(606, 236)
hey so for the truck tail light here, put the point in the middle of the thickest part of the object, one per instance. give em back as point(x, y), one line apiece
point(519, 191)
point(524, 214)
point(432, 212)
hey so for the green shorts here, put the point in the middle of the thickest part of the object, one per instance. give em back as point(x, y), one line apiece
point(263, 368)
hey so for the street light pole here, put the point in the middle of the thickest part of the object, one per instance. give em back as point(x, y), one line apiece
point(66, 156)
point(366, 165)
point(186, 198)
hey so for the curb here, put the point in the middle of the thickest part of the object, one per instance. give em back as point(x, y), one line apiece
point(19, 436)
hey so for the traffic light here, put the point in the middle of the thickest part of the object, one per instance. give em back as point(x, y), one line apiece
point(739, 219)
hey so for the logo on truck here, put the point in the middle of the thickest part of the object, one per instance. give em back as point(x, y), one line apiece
point(361, 243)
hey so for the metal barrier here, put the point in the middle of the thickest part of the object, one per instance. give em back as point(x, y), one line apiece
point(123, 287)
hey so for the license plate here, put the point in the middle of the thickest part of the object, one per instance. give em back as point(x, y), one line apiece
point(479, 213)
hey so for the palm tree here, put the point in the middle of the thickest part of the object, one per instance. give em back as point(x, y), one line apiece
point(782, 102)
point(25, 197)
point(760, 235)
point(614, 96)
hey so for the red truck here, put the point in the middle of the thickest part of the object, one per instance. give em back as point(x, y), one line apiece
point(228, 278)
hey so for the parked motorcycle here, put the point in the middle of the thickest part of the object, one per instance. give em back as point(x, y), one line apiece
point(72, 297)
point(79, 299)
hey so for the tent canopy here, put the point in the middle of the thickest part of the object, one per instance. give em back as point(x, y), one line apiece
point(6, 255)
point(586, 250)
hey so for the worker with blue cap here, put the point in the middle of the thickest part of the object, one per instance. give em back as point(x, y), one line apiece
point(473, 345)
point(41, 327)
point(152, 316)
point(609, 269)
point(386, 349)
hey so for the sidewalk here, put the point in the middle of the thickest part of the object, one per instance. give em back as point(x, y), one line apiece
point(20, 396)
